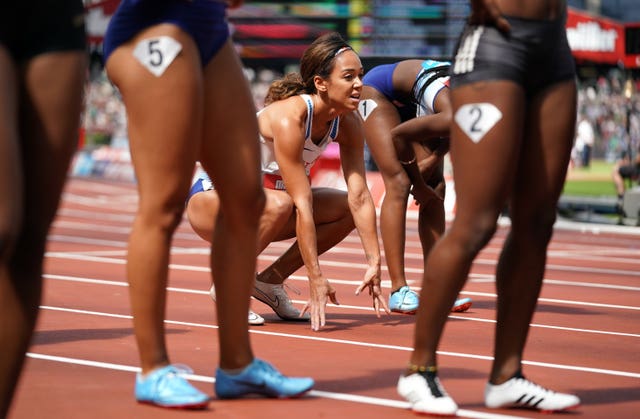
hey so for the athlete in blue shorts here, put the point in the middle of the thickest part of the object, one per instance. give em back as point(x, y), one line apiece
point(405, 105)
point(187, 99)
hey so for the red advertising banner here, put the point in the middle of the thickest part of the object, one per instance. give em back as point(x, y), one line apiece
point(601, 40)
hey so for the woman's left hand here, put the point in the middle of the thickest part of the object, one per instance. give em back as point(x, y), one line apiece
point(320, 292)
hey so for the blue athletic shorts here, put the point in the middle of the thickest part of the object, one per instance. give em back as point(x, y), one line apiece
point(204, 20)
point(381, 78)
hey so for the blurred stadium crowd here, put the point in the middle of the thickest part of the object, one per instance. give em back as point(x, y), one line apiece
point(104, 143)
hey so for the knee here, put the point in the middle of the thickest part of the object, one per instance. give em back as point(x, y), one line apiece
point(475, 234)
point(397, 185)
point(279, 205)
point(244, 207)
point(9, 234)
point(165, 216)
point(537, 226)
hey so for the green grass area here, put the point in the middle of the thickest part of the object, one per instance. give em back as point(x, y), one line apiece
point(589, 188)
point(592, 181)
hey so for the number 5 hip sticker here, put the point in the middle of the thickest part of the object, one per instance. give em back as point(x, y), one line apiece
point(476, 119)
point(156, 54)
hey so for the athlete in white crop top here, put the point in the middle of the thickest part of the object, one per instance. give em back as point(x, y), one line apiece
point(304, 113)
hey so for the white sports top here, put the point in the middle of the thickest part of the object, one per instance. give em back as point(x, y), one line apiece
point(427, 100)
point(311, 150)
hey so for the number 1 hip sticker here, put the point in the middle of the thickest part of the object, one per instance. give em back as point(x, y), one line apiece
point(476, 119)
point(365, 107)
point(156, 54)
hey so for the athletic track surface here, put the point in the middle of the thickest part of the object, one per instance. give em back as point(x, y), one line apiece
point(585, 336)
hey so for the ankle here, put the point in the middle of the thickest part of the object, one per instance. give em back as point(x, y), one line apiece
point(431, 370)
point(271, 275)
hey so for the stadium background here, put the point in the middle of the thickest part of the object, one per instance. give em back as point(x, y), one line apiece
point(270, 37)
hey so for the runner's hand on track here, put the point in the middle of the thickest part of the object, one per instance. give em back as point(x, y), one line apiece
point(319, 290)
point(372, 282)
point(423, 194)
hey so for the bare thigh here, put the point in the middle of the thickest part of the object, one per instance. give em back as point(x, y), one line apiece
point(10, 166)
point(546, 151)
point(54, 83)
point(230, 149)
point(164, 119)
point(329, 205)
point(484, 170)
point(378, 126)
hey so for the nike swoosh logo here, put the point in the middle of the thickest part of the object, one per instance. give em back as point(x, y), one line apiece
point(273, 302)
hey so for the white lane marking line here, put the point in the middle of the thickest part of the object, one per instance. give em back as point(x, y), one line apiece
point(359, 343)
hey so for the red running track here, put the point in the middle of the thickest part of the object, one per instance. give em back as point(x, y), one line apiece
point(585, 337)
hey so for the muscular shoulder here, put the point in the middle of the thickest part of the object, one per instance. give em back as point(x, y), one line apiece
point(283, 114)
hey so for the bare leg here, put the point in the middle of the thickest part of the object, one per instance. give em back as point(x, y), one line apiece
point(397, 184)
point(333, 223)
point(203, 208)
point(431, 225)
point(172, 126)
point(550, 129)
point(618, 181)
point(51, 87)
point(235, 240)
point(449, 262)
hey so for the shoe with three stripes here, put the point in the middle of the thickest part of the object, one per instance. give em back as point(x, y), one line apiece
point(520, 392)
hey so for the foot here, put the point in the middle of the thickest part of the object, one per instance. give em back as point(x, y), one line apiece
point(276, 297)
point(426, 395)
point(404, 301)
point(165, 387)
point(254, 318)
point(520, 392)
point(461, 305)
point(261, 378)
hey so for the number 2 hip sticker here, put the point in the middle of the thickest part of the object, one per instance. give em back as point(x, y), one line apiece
point(156, 54)
point(476, 119)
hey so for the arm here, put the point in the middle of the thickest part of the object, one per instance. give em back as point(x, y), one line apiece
point(351, 140)
point(418, 131)
point(288, 135)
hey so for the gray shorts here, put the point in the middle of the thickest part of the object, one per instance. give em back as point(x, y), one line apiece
point(535, 54)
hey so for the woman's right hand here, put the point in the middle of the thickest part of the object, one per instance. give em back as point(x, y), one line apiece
point(423, 194)
point(487, 12)
point(319, 291)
